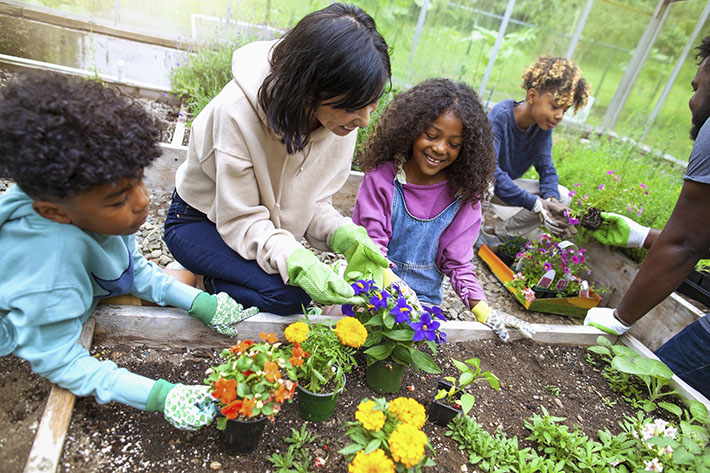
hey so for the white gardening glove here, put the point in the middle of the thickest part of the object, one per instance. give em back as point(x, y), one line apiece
point(498, 320)
point(551, 215)
point(617, 230)
point(604, 319)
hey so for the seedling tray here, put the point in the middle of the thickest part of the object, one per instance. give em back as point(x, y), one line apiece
point(697, 287)
point(572, 306)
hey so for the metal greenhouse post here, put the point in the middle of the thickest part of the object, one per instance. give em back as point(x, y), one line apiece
point(417, 33)
point(578, 30)
point(664, 95)
point(634, 67)
point(496, 46)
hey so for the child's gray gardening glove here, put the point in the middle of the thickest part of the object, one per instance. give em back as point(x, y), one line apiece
point(389, 279)
point(617, 230)
point(551, 215)
point(185, 407)
point(498, 320)
point(604, 318)
point(364, 258)
point(319, 280)
point(220, 312)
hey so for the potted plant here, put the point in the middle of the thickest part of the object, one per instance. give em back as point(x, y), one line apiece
point(510, 248)
point(322, 355)
point(395, 330)
point(250, 386)
point(451, 398)
point(387, 437)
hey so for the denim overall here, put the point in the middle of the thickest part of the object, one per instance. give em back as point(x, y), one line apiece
point(414, 246)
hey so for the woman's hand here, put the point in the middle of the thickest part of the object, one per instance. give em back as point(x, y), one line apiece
point(364, 258)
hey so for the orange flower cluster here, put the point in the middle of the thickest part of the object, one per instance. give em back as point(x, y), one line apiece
point(298, 355)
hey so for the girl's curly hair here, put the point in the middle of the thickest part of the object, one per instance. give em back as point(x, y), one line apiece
point(62, 136)
point(559, 76)
point(412, 112)
point(703, 50)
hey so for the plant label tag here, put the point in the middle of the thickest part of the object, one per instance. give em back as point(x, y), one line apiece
point(546, 279)
point(562, 284)
point(584, 289)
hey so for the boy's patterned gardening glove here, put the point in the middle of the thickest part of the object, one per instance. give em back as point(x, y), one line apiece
point(220, 312)
point(498, 320)
point(604, 319)
point(319, 280)
point(185, 407)
point(389, 278)
point(364, 258)
point(551, 215)
point(617, 230)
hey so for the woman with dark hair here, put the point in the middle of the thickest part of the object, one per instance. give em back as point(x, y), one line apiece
point(267, 154)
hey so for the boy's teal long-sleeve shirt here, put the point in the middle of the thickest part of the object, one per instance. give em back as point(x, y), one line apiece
point(52, 276)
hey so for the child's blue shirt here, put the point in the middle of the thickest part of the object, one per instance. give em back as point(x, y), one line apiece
point(517, 150)
point(52, 276)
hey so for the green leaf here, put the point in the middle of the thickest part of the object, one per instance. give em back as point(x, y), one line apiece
point(670, 407)
point(350, 449)
point(461, 366)
point(642, 367)
point(467, 401)
point(380, 352)
point(423, 361)
point(372, 446)
point(492, 380)
point(400, 335)
point(465, 379)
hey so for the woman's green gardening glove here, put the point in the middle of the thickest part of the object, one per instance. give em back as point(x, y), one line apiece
point(318, 279)
point(617, 230)
point(220, 312)
point(364, 258)
point(498, 320)
point(185, 407)
point(605, 319)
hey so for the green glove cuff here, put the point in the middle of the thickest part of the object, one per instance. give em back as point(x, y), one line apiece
point(157, 395)
point(345, 235)
point(203, 307)
point(298, 261)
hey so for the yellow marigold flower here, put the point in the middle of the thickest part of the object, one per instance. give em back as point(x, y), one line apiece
point(373, 462)
point(297, 332)
point(407, 445)
point(408, 411)
point(351, 332)
point(369, 417)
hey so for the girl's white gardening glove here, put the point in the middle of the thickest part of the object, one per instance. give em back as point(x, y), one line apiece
point(498, 320)
point(551, 215)
point(185, 407)
point(389, 278)
point(604, 318)
point(617, 230)
point(220, 312)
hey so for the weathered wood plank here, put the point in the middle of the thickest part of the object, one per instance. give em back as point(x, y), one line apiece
point(49, 440)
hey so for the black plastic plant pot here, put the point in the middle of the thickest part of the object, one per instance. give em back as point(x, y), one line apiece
point(242, 436)
point(441, 413)
point(507, 259)
point(543, 293)
point(697, 287)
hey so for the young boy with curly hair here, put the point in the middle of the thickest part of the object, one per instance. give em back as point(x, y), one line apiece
point(427, 164)
point(76, 152)
point(522, 134)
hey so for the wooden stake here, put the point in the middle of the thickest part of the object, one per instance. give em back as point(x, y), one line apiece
point(49, 440)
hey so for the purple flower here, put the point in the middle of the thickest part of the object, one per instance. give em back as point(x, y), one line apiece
point(440, 337)
point(379, 300)
point(435, 312)
point(401, 310)
point(611, 172)
point(425, 328)
point(601, 187)
point(348, 310)
point(586, 196)
point(542, 251)
point(575, 259)
point(547, 266)
point(566, 269)
point(578, 184)
point(362, 286)
point(573, 221)
point(572, 193)
point(640, 211)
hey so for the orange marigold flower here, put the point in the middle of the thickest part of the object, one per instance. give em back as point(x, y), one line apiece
point(247, 407)
point(297, 332)
point(271, 371)
point(231, 411)
point(241, 347)
point(225, 390)
point(269, 337)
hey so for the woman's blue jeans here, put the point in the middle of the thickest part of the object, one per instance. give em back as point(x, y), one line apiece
point(195, 243)
point(687, 354)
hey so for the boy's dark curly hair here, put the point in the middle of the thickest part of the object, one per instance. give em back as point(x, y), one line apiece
point(62, 136)
point(559, 76)
point(703, 50)
point(412, 112)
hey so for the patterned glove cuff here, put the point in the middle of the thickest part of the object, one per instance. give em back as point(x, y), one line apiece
point(203, 307)
point(156, 398)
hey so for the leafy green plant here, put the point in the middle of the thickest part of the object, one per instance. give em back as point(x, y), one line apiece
point(297, 458)
point(470, 373)
point(554, 390)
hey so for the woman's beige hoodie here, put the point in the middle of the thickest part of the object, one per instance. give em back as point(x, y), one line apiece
point(263, 200)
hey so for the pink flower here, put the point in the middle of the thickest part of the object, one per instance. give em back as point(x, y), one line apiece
point(571, 193)
point(642, 185)
point(578, 184)
point(601, 187)
point(610, 172)
point(529, 294)
point(586, 196)
point(573, 221)
point(574, 259)
point(547, 266)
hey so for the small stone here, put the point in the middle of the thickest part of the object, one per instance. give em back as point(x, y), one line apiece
point(558, 402)
point(579, 418)
point(464, 468)
point(215, 465)
point(156, 254)
point(160, 212)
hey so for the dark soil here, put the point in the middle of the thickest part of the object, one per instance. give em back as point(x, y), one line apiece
point(115, 438)
point(592, 219)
